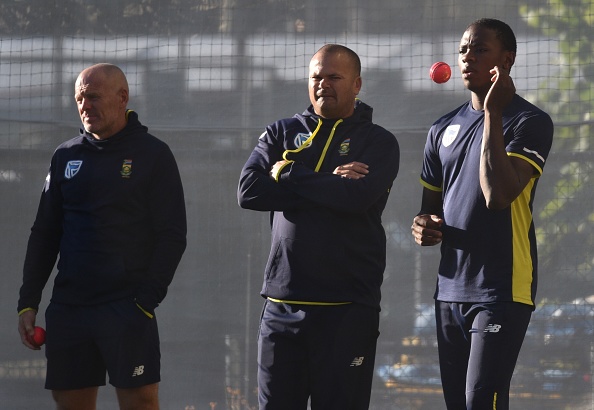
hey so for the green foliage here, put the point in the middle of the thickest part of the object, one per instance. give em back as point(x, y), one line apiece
point(569, 97)
point(566, 220)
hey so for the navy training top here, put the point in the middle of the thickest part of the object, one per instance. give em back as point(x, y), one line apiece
point(114, 211)
point(487, 255)
point(328, 243)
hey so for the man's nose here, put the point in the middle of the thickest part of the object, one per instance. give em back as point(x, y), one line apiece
point(84, 104)
point(469, 55)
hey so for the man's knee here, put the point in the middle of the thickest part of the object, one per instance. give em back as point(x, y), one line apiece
point(139, 398)
point(78, 399)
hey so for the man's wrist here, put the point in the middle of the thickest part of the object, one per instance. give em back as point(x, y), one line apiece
point(278, 171)
point(26, 310)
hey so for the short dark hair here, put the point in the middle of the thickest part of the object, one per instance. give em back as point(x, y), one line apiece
point(503, 32)
point(337, 48)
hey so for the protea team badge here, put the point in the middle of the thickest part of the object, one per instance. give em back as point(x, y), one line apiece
point(126, 168)
point(344, 148)
point(72, 168)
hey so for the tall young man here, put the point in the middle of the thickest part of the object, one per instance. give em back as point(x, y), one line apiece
point(481, 166)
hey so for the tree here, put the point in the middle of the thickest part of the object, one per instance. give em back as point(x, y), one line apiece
point(566, 229)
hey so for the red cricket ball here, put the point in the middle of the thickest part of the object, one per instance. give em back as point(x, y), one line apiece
point(440, 72)
point(39, 336)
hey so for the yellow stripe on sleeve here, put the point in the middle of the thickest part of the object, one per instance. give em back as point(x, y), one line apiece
point(525, 158)
point(26, 310)
point(430, 187)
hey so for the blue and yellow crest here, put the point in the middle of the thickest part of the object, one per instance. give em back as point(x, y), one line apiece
point(344, 148)
point(126, 168)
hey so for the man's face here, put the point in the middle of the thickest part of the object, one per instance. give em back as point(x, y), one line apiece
point(480, 51)
point(333, 85)
point(101, 103)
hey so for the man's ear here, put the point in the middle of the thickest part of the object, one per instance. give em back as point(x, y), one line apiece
point(510, 59)
point(124, 96)
point(358, 85)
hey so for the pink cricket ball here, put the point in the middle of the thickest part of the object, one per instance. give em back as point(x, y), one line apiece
point(39, 336)
point(440, 72)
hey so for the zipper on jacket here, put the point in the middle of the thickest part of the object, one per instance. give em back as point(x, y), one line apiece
point(309, 141)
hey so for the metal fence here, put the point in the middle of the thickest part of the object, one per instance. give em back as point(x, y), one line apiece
point(207, 76)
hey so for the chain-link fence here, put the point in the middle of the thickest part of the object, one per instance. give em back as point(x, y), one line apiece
point(207, 76)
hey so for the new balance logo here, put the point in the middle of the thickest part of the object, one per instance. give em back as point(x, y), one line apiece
point(357, 361)
point(491, 328)
point(138, 371)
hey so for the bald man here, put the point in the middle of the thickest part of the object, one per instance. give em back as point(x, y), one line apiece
point(112, 209)
point(325, 176)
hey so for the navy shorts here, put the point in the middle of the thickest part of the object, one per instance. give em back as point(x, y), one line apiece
point(85, 342)
point(322, 353)
point(478, 346)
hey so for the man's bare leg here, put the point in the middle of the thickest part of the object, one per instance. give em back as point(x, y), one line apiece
point(139, 398)
point(78, 399)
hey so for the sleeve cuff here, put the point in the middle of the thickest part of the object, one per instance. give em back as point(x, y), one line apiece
point(279, 171)
point(26, 310)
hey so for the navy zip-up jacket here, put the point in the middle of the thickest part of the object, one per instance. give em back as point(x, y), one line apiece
point(328, 243)
point(114, 212)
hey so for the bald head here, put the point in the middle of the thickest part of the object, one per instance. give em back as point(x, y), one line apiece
point(350, 55)
point(334, 81)
point(108, 73)
point(101, 94)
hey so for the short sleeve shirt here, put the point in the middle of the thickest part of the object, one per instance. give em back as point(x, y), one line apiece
point(487, 255)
